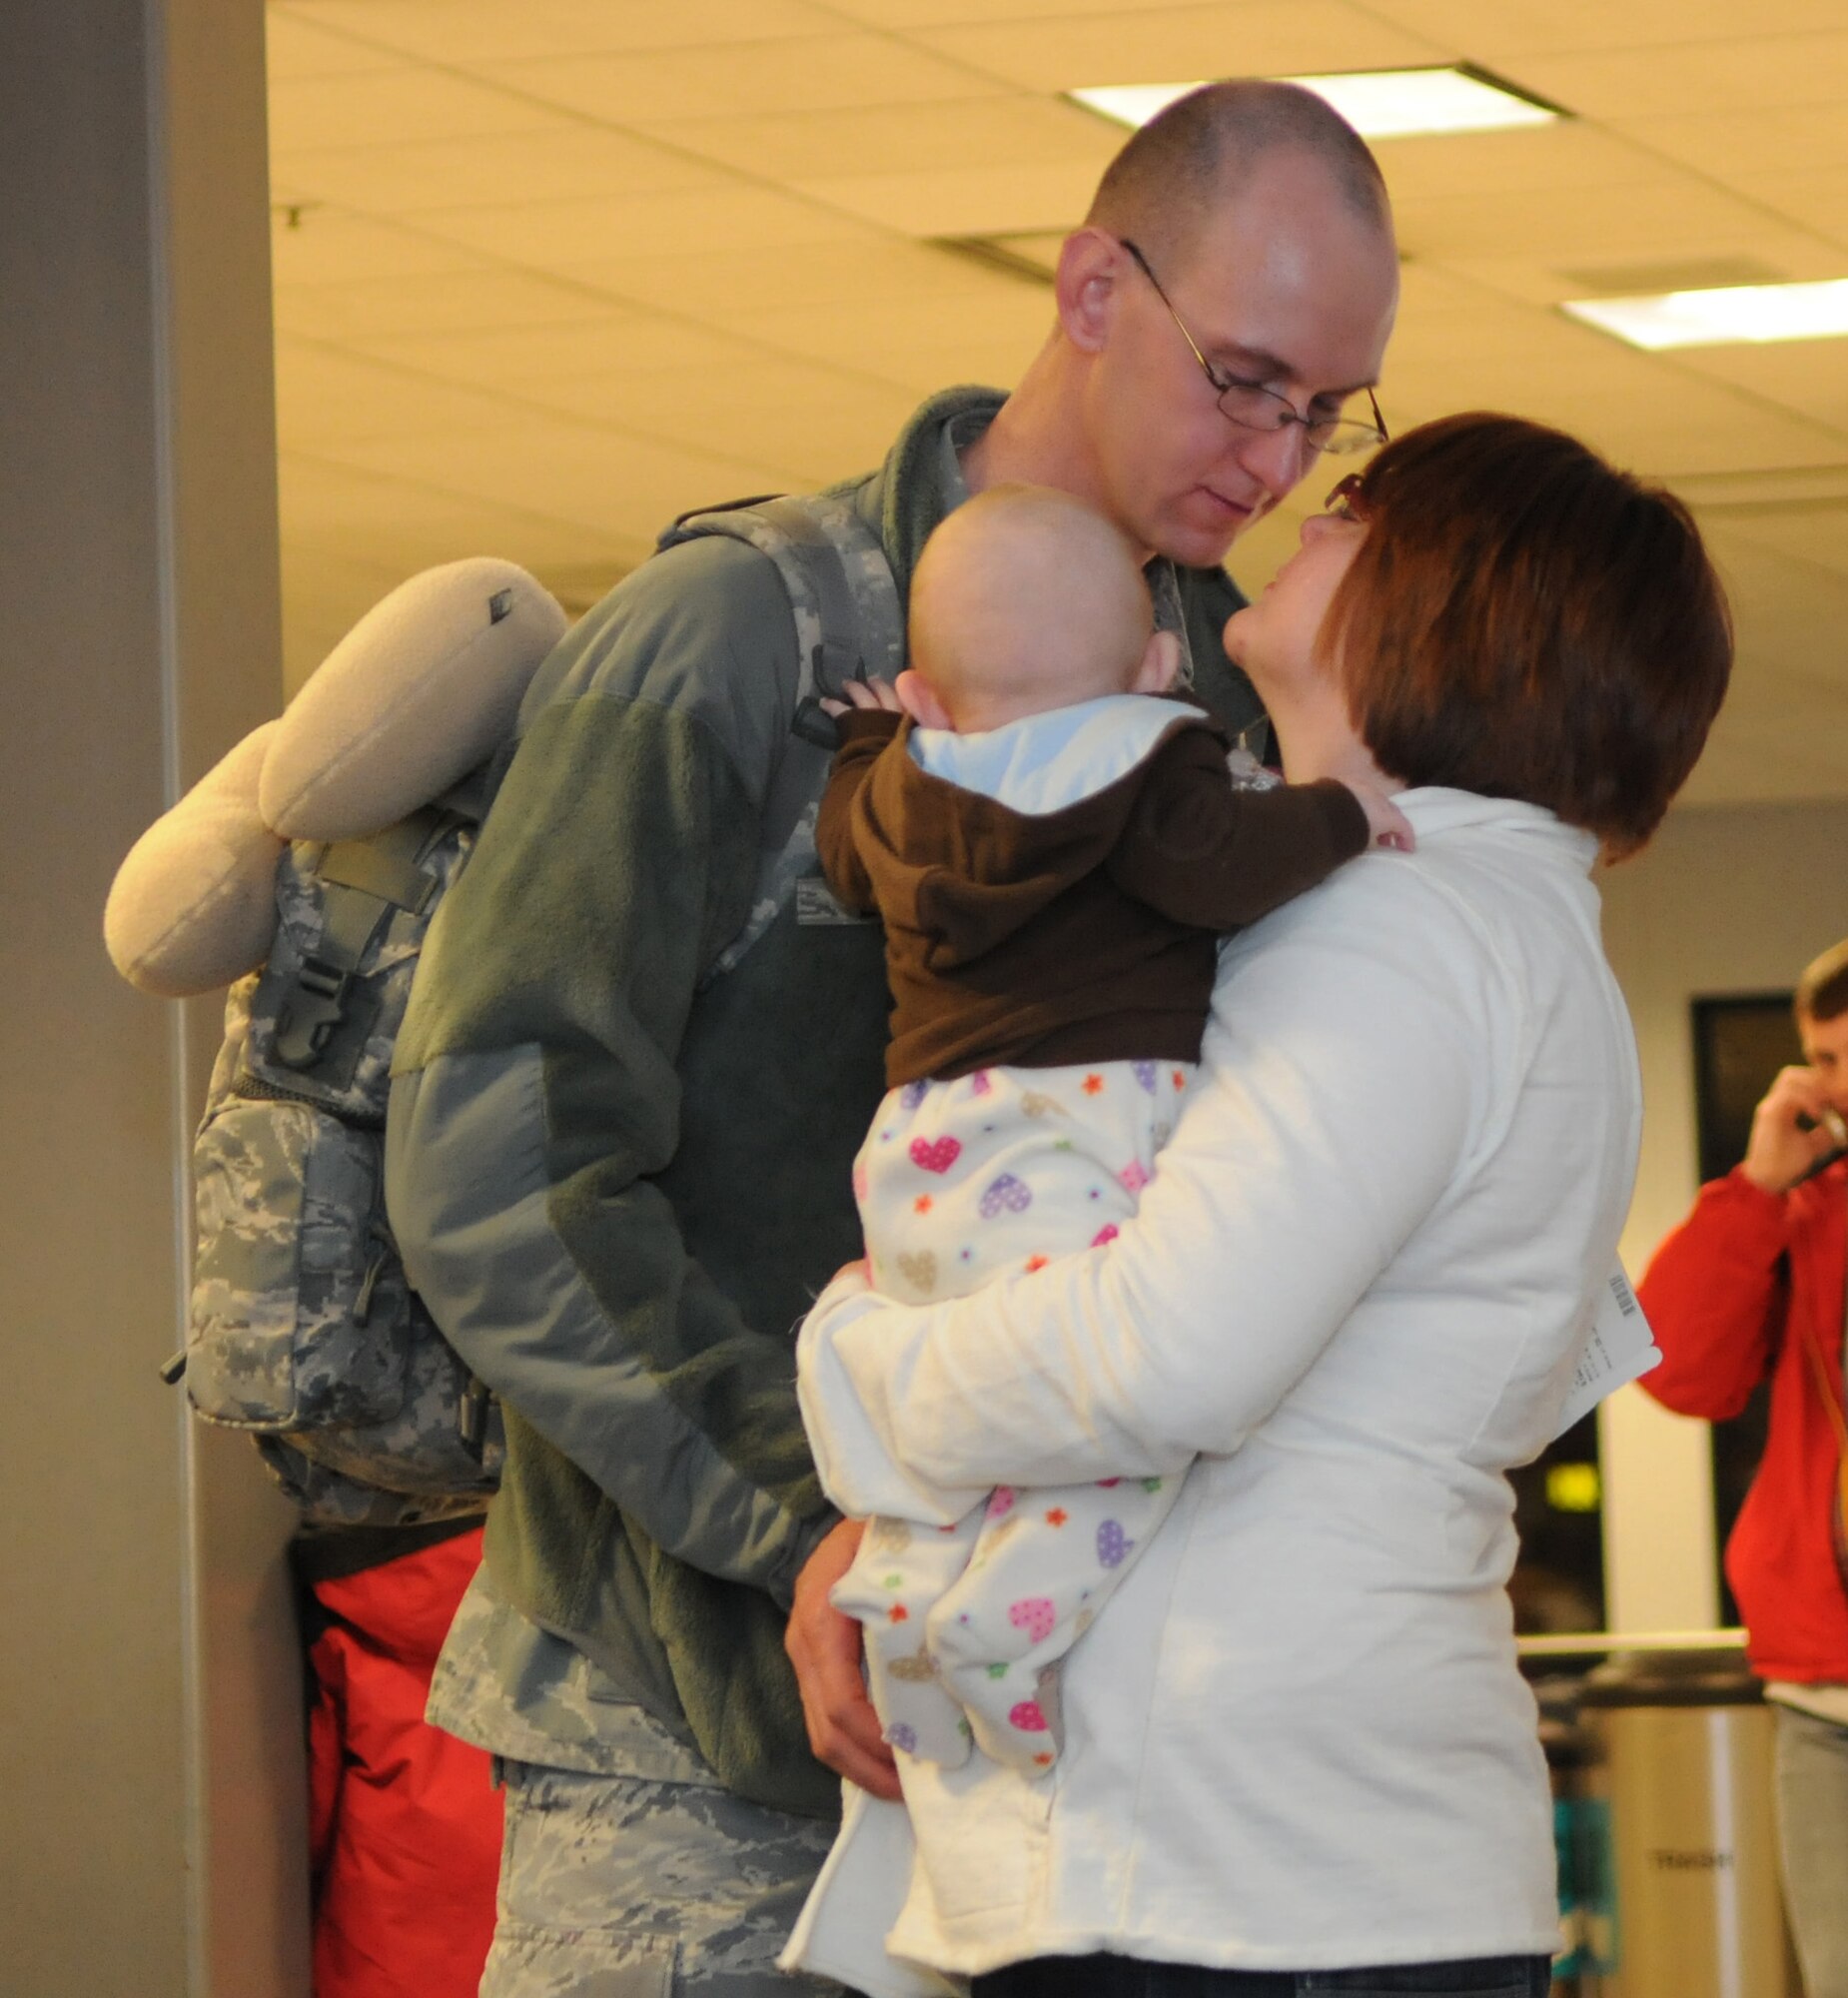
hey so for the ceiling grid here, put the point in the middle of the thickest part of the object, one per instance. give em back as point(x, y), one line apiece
point(548, 275)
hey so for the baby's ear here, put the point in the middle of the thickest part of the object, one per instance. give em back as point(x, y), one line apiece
point(1160, 664)
point(919, 699)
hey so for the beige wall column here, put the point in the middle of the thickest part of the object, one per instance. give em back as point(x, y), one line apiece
point(150, 1806)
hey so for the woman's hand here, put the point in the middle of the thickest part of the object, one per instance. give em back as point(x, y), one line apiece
point(865, 694)
point(824, 1648)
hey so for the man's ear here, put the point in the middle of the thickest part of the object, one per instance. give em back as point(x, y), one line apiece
point(919, 699)
point(1160, 664)
point(1089, 271)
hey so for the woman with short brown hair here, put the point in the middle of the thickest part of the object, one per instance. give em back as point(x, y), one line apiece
point(1299, 1754)
point(1532, 624)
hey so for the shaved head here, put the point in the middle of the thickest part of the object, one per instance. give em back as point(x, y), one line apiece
point(1199, 154)
point(1025, 598)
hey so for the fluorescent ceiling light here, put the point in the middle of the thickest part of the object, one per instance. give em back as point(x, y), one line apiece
point(1379, 104)
point(1732, 313)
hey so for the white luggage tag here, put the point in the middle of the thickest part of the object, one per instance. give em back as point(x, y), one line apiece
point(1618, 1348)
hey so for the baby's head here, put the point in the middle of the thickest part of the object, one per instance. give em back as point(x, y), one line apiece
point(1025, 600)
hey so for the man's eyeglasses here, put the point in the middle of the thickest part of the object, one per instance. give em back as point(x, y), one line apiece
point(1253, 406)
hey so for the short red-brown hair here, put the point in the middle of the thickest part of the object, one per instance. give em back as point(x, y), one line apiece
point(1525, 621)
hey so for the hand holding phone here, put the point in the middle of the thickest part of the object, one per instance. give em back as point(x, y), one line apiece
point(1796, 1132)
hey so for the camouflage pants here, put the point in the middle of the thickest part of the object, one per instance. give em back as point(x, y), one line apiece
point(617, 1887)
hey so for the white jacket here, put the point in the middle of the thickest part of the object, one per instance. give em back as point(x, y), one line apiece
point(1357, 1288)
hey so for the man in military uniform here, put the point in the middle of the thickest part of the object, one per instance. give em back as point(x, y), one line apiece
point(618, 1179)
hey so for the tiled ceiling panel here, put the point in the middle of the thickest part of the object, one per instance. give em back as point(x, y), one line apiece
point(1752, 69)
point(401, 105)
point(793, 74)
point(536, 357)
point(1182, 44)
point(464, 32)
point(1510, 28)
point(564, 160)
point(603, 230)
point(549, 274)
point(1001, 129)
point(485, 296)
point(1793, 139)
point(1001, 199)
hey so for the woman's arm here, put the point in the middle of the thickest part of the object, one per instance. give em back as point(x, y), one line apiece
point(1344, 1076)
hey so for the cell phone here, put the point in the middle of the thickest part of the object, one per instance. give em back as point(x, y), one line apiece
point(1830, 1121)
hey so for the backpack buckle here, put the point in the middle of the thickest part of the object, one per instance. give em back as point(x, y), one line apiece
point(311, 1013)
point(815, 724)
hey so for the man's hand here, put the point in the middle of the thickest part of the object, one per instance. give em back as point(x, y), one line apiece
point(824, 1648)
point(1781, 1151)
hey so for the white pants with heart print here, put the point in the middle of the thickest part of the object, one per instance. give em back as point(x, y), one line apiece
point(960, 1183)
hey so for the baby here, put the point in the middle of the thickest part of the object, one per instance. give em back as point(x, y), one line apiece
point(1055, 856)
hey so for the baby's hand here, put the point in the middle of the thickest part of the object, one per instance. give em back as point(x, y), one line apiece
point(1384, 822)
point(865, 694)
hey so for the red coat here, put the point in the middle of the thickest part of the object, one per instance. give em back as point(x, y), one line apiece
point(405, 1821)
point(1733, 1294)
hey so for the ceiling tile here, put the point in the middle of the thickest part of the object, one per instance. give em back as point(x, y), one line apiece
point(1817, 201)
point(1743, 73)
point(295, 50)
point(476, 31)
point(1781, 604)
point(900, 138)
point(354, 512)
point(1774, 251)
point(606, 227)
point(1793, 138)
point(904, 277)
point(1671, 216)
point(990, 338)
point(515, 360)
point(909, 14)
point(1810, 532)
point(842, 71)
point(395, 106)
point(1181, 44)
point(818, 422)
point(981, 199)
point(1548, 27)
point(550, 164)
point(313, 243)
point(325, 397)
point(1565, 157)
point(475, 300)
point(521, 330)
point(1699, 428)
point(1806, 378)
point(569, 471)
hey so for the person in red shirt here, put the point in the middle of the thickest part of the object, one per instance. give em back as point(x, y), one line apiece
point(1751, 1284)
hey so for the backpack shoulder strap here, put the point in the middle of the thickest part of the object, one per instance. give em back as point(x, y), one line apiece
point(849, 622)
point(849, 625)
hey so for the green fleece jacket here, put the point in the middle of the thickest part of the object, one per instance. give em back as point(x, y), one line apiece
point(618, 1185)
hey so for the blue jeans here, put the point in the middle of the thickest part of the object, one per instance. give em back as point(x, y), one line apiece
point(1127, 1977)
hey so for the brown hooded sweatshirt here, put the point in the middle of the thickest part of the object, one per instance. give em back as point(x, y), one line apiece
point(1087, 934)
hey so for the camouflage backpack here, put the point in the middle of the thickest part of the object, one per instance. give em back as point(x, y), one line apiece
point(304, 1329)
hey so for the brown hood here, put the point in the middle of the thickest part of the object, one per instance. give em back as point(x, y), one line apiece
point(964, 872)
